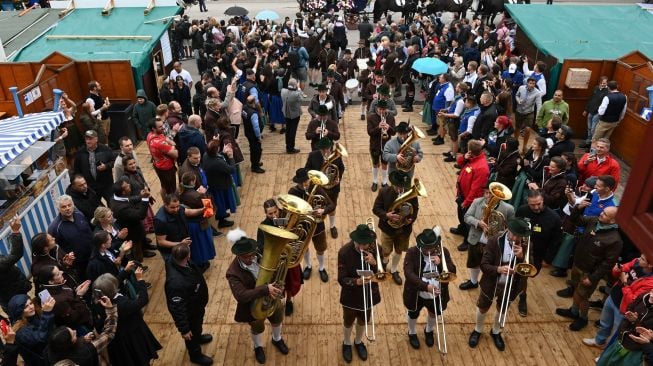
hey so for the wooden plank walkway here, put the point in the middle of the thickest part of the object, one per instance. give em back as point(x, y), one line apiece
point(314, 331)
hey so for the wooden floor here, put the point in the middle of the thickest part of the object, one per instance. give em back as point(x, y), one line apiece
point(314, 331)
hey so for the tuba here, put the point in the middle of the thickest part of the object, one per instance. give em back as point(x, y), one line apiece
point(317, 201)
point(299, 221)
point(273, 268)
point(494, 219)
point(331, 170)
point(408, 151)
point(402, 207)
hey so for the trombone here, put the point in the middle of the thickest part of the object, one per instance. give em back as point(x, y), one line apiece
point(442, 277)
point(377, 277)
point(524, 269)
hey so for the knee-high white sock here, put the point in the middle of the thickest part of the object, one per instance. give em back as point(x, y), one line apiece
point(320, 260)
point(363, 108)
point(480, 319)
point(307, 258)
point(360, 330)
point(375, 174)
point(430, 323)
point(346, 335)
point(258, 340)
point(412, 323)
point(473, 274)
point(276, 333)
point(332, 221)
point(496, 327)
point(384, 176)
point(395, 261)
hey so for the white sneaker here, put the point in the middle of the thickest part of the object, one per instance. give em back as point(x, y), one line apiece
point(592, 343)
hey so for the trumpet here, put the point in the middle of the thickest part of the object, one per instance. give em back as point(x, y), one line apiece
point(322, 128)
point(384, 131)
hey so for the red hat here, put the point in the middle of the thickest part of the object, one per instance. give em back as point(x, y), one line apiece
point(504, 121)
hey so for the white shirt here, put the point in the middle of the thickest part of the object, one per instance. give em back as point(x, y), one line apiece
point(507, 256)
point(449, 93)
point(471, 78)
point(541, 84)
point(184, 74)
point(428, 268)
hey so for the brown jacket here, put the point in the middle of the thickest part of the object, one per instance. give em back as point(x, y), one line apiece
point(331, 126)
point(374, 131)
point(553, 191)
point(336, 91)
point(315, 103)
point(382, 203)
point(351, 295)
point(413, 266)
point(492, 255)
point(243, 287)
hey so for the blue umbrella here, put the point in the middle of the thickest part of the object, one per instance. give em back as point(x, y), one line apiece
point(430, 66)
point(267, 14)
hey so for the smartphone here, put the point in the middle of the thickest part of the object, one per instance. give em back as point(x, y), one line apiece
point(592, 151)
point(44, 296)
point(97, 294)
point(589, 196)
point(4, 327)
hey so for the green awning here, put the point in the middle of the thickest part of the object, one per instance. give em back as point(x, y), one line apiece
point(121, 22)
point(586, 32)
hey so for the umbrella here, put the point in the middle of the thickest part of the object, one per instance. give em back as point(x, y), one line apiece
point(430, 66)
point(236, 11)
point(267, 14)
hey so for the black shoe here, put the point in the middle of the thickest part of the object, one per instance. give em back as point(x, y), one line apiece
point(438, 141)
point(408, 109)
point(307, 273)
point(457, 166)
point(384, 185)
point(272, 128)
point(258, 170)
point(216, 232)
point(282, 131)
point(567, 313)
point(281, 346)
point(498, 341)
point(596, 304)
point(201, 359)
point(397, 278)
point(334, 232)
point(468, 285)
point(148, 285)
point(151, 247)
point(449, 159)
point(559, 272)
point(566, 293)
point(413, 340)
point(522, 306)
point(145, 268)
point(604, 290)
point(428, 338)
point(205, 338)
point(431, 132)
point(289, 308)
point(456, 230)
point(225, 223)
point(259, 354)
point(362, 119)
point(448, 153)
point(578, 324)
point(463, 246)
point(375, 186)
point(324, 276)
point(346, 352)
point(148, 254)
point(473, 339)
point(293, 151)
point(361, 350)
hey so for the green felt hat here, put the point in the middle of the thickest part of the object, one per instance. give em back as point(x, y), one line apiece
point(363, 234)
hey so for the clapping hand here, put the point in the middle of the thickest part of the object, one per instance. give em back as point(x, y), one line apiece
point(15, 225)
point(644, 335)
point(631, 316)
point(122, 234)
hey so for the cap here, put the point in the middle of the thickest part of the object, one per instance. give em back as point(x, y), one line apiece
point(90, 133)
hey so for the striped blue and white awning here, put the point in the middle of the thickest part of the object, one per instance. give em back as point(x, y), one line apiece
point(18, 134)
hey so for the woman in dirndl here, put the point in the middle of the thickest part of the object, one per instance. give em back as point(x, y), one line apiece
point(219, 167)
point(202, 250)
point(275, 110)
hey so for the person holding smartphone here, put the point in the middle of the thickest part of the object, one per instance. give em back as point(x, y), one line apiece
point(32, 326)
point(12, 280)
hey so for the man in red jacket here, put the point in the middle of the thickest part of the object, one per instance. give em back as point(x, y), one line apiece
point(471, 183)
point(599, 162)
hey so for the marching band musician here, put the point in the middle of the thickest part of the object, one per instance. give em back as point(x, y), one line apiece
point(314, 162)
point(419, 291)
point(242, 274)
point(365, 78)
point(370, 89)
point(477, 236)
point(322, 126)
point(494, 265)
point(347, 67)
point(351, 292)
point(380, 127)
point(391, 149)
point(323, 98)
point(335, 89)
point(383, 93)
point(294, 275)
point(302, 190)
point(394, 239)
